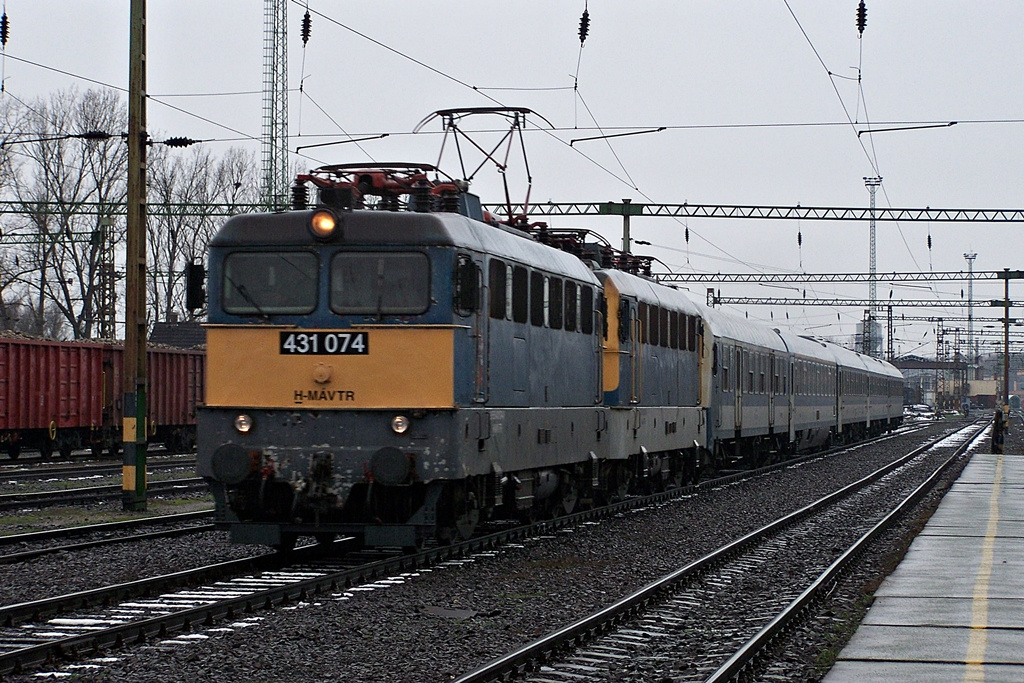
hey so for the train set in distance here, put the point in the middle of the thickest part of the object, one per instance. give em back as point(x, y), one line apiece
point(389, 361)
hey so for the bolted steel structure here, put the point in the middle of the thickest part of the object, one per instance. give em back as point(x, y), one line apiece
point(275, 104)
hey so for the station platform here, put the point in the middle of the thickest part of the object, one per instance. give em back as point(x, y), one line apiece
point(953, 610)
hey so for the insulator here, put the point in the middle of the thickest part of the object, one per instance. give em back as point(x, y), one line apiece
point(584, 26)
point(180, 142)
point(307, 24)
point(929, 241)
point(94, 135)
point(687, 235)
point(5, 29)
point(300, 196)
point(862, 17)
point(799, 239)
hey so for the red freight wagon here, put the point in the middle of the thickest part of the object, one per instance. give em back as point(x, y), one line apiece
point(67, 395)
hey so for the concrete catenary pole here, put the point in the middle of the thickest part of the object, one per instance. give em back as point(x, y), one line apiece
point(134, 404)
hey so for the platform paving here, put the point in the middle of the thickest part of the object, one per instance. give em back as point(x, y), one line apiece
point(954, 608)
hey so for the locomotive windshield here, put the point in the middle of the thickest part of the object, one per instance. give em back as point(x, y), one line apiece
point(270, 283)
point(380, 283)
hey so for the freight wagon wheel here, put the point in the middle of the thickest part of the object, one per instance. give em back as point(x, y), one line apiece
point(46, 449)
point(13, 451)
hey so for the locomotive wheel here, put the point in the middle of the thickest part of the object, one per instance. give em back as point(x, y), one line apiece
point(569, 496)
point(287, 543)
point(458, 516)
point(677, 479)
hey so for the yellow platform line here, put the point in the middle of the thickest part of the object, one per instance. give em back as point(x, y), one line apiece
point(975, 659)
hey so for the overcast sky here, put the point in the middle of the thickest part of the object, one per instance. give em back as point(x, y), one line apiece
point(743, 88)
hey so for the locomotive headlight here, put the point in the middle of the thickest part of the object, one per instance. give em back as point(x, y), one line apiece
point(243, 423)
point(323, 224)
point(399, 424)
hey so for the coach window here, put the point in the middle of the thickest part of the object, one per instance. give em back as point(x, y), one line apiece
point(381, 283)
point(726, 362)
point(520, 294)
point(537, 299)
point(587, 309)
point(496, 282)
point(625, 316)
point(262, 283)
point(570, 306)
point(641, 315)
point(653, 329)
point(664, 327)
point(741, 366)
point(555, 303)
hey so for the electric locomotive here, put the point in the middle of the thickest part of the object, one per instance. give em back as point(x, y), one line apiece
point(360, 382)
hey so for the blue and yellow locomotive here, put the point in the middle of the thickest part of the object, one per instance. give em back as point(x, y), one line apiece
point(392, 363)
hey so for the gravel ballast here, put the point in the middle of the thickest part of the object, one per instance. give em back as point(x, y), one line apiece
point(439, 623)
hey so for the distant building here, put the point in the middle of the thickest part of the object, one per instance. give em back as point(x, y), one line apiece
point(182, 335)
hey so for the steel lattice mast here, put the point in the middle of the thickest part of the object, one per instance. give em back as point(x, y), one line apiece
point(970, 307)
point(275, 104)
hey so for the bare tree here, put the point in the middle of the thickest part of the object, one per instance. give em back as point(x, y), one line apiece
point(57, 267)
point(58, 173)
point(189, 182)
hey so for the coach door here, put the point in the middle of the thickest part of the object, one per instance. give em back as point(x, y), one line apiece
point(742, 363)
point(636, 367)
point(773, 374)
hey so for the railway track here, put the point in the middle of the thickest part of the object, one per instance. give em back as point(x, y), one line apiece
point(107, 533)
point(721, 613)
point(82, 624)
point(20, 473)
point(89, 494)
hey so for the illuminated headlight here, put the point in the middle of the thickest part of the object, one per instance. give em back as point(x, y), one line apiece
point(399, 424)
point(323, 224)
point(243, 423)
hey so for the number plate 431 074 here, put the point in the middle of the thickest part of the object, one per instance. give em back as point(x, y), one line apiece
point(325, 343)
